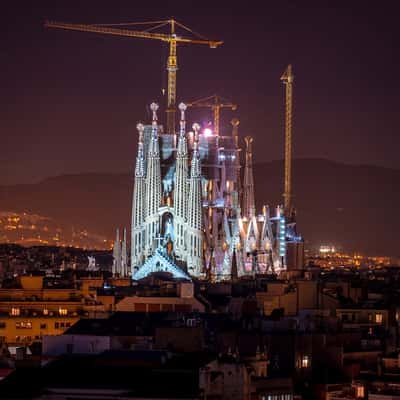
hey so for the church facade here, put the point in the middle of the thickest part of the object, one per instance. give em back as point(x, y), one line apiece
point(193, 209)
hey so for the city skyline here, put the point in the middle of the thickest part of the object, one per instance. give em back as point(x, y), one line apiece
point(152, 247)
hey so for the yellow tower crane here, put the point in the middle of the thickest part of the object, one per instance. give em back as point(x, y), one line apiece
point(287, 79)
point(171, 37)
point(214, 102)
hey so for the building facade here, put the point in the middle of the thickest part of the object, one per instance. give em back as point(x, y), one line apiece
point(193, 210)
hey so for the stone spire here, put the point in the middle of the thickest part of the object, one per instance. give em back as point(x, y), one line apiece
point(195, 232)
point(153, 186)
point(138, 205)
point(181, 186)
point(249, 208)
point(139, 168)
point(195, 171)
point(124, 257)
point(116, 269)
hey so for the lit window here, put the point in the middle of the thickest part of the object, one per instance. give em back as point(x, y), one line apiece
point(23, 325)
point(62, 311)
point(360, 391)
point(15, 311)
point(45, 311)
point(305, 362)
point(378, 318)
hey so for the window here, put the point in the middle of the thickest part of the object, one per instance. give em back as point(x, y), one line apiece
point(378, 318)
point(61, 325)
point(15, 311)
point(305, 362)
point(62, 311)
point(359, 391)
point(2, 325)
point(43, 326)
point(23, 325)
point(45, 311)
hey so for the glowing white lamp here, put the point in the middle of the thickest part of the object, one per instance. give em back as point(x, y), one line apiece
point(207, 132)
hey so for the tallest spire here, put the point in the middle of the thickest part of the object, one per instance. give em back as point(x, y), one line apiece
point(182, 142)
point(195, 232)
point(181, 186)
point(153, 186)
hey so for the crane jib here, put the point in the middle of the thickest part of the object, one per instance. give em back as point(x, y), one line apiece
point(172, 38)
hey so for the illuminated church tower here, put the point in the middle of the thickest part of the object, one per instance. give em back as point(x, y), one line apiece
point(153, 188)
point(137, 237)
point(167, 237)
point(181, 189)
point(194, 238)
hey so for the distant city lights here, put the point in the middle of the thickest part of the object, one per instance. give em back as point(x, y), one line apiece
point(327, 249)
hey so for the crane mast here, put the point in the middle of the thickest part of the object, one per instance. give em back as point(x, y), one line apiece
point(287, 79)
point(172, 67)
point(171, 38)
point(214, 102)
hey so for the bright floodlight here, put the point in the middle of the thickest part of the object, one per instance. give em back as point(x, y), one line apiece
point(207, 132)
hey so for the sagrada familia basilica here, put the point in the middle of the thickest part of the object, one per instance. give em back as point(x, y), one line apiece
point(194, 213)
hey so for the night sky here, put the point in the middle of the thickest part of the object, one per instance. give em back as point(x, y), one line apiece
point(70, 101)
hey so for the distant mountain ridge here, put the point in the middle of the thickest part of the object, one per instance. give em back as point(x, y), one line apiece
point(346, 205)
